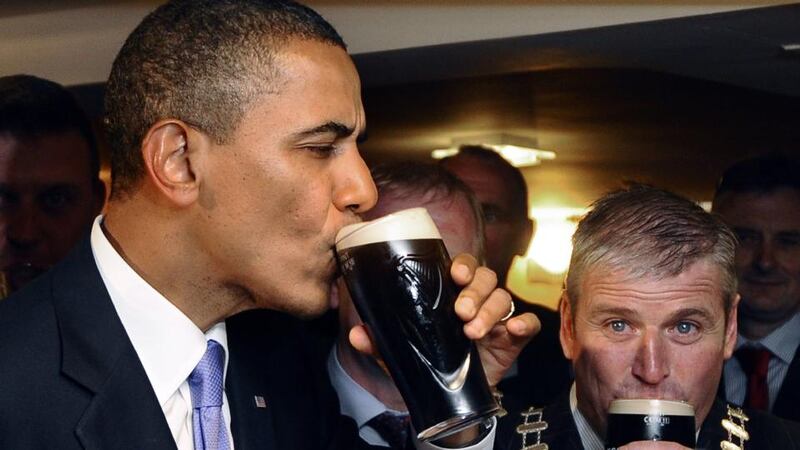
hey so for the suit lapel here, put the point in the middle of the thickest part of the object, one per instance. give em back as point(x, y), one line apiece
point(249, 376)
point(562, 433)
point(712, 432)
point(789, 394)
point(123, 411)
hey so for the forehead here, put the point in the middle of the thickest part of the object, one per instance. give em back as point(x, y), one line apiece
point(52, 157)
point(452, 214)
point(699, 286)
point(778, 209)
point(489, 183)
point(314, 84)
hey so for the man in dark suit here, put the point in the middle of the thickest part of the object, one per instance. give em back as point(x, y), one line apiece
point(233, 128)
point(759, 199)
point(649, 312)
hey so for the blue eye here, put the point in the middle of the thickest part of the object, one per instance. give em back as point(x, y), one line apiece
point(618, 326)
point(685, 327)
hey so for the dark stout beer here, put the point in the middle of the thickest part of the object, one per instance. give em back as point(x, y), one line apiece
point(398, 273)
point(650, 420)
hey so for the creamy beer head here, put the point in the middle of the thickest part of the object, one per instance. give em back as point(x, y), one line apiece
point(651, 407)
point(632, 420)
point(414, 223)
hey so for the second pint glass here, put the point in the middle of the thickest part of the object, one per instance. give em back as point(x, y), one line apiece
point(398, 273)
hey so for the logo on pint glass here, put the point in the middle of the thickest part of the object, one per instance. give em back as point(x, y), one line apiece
point(452, 381)
point(423, 280)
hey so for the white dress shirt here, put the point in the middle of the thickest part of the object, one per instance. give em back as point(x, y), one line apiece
point(589, 438)
point(783, 343)
point(359, 404)
point(168, 344)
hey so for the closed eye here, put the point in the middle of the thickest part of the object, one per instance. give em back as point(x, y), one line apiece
point(321, 151)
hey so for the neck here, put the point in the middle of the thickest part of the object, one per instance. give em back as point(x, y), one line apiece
point(756, 328)
point(157, 249)
point(365, 371)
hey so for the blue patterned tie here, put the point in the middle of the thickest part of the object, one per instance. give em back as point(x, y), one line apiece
point(205, 383)
point(392, 427)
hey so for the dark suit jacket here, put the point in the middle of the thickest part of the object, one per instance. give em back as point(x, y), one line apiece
point(70, 378)
point(788, 399)
point(766, 431)
point(542, 370)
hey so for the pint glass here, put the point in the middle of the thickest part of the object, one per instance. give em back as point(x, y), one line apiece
point(631, 420)
point(398, 273)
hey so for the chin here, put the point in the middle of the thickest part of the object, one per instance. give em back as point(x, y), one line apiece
point(309, 306)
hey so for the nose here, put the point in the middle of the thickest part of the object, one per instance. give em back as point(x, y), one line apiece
point(651, 366)
point(354, 189)
point(765, 256)
point(23, 229)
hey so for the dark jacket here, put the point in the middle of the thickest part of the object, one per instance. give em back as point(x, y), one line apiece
point(766, 431)
point(71, 379)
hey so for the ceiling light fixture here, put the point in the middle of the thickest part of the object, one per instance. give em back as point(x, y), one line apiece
point(517, 150)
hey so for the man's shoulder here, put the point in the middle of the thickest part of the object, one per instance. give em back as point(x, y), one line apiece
point(26, 316)
point(770, 431)
point(728, 423)
point(552, 425)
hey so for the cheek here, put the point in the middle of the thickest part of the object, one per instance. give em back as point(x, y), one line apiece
point(742, 258)
point(698, 363)
point(606, 362)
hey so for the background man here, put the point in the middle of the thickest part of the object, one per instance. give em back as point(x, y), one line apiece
point(366, 392)
point(503, 195)
point(233, 128)
point(760, 200)
point(649, 312)
point(50, 190)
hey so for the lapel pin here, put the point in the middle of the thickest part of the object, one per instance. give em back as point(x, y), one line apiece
point(260, 402)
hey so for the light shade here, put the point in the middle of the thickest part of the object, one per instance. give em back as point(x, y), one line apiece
point(517, 150)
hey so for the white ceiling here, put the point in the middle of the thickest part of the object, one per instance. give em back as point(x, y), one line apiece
point(75, 42)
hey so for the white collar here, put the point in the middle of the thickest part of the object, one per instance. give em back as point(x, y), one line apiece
point(168, 343)
point(589, 438)
point(782, 342)
point(354, 400)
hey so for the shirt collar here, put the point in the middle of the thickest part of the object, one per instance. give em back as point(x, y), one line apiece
point(589, 438)
point(782, 342)
point(168, 343)
point(358, 403)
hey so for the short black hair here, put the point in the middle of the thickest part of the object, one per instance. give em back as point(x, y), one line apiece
point(761, 174)
point(31, 106)
point(200, 61)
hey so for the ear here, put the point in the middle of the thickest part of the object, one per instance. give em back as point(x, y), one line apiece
point(732, 327)
point(567, 331)
point(168, 149)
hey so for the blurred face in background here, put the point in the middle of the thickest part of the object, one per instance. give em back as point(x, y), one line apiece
point(508, 230)
point(48, 200)
point(767, 225)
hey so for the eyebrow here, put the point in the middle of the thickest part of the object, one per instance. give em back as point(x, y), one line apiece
point(339, 130)
point(688, 312)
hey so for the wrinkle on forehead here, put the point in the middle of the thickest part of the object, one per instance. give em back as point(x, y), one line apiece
point(701, 279)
